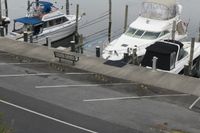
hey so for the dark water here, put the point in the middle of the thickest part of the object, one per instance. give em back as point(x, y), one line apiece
point(98, 8)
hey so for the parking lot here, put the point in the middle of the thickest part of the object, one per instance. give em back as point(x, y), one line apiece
point(134, 107)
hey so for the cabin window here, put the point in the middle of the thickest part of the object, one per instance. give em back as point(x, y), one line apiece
point(45, 25)
point(58, 21)
point(139, 33)
point(64, 19)
point(172, 60)
point(164, 33)
point(37, 29)
point(51, 23)
point(130, 31)
point(151, 35)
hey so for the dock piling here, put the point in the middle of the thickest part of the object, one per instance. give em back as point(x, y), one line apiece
point(154, 63)
point(191, 56)
point(98, 51)
point(25, 36)
point(2, 31)
point(110, 21)
point(126, 18)
point(48, 42)
point(174, 30)
point(67, 7)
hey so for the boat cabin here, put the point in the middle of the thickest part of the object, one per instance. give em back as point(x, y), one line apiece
point(42, 16)
point(168, 53)
point(160, 9)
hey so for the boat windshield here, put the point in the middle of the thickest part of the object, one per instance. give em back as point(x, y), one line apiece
point(142, 34)
point(158, 11)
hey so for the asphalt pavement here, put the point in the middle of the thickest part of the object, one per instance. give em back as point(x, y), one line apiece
point(37, 98)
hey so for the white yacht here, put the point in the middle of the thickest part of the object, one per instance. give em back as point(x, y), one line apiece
point(44, 20)
point(171, 55)
point(155, 23)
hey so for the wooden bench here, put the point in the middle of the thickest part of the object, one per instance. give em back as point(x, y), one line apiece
point(65, 56)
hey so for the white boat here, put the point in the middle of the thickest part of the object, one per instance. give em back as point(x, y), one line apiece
point(171, 55)
point(155, 23)
point(42, 21)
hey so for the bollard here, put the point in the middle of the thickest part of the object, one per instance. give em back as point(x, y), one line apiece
point(174, 30)
point(154, 65)
point(72, 46)
point(134, 57)
point(81, 50)
point(97, 51)
point(31, 38)
point(48, 42)
point(25, 36)
point(126, 56)
point(2, 31)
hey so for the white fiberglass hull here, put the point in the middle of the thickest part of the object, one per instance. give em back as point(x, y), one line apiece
point(54, 34)
point(179, 66)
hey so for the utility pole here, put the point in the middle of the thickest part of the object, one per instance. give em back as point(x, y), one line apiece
point(110, 21)
point(126, 18)
point(67, 7)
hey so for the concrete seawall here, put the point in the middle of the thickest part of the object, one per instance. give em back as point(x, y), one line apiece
point(132, 73)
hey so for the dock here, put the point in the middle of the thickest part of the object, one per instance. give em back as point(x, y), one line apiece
point(135, 74)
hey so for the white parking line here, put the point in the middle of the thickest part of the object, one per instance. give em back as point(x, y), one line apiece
point(134, 97)
point(17, 63)
point(46, 116)
point(193, 104)
point(83, 85)
point(40, 74)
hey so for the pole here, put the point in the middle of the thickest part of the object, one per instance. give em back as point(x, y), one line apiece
point(98, 51)
point(173, 30)
point(6, 8)
point(191, 56)
point(76, 27)
point(126, 18)
point(67, 7)
point(110, 21)
point(199, 34)
point(28, 4)
point(0, 13)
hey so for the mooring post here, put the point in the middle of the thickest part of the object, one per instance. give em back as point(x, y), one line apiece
point(25, 36)
point(98, 51)
point(126, 18)
point(28, 6)
point(81, 43)
point(31, 38)
point(191, 57)
point(72, 46)
point(2, 31)
point(48, 42)
point(199, 34)
point(67, 7)
point(0, 13)
point(6, 11)
point(76, 26)
point(174, 30)
point(154, 65)
point(110, 21)
point(134, 57)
